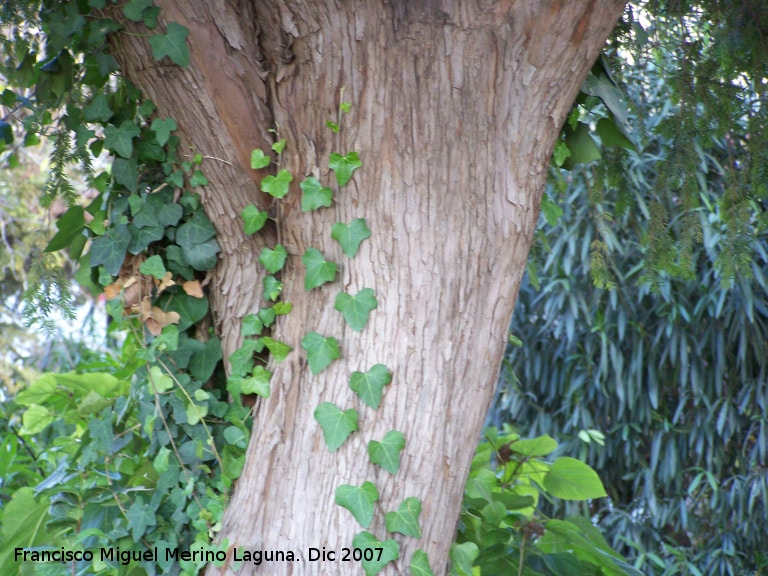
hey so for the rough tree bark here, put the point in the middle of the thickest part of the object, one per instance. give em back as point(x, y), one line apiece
point(455, 108)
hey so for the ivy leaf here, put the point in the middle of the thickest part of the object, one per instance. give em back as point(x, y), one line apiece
point(420, 564)
point(163, 129)
point(358, 500)
point(153, 266)
point(257, 383)
point(350, 235)
point(259, 159)
point(242, 358)
point(203, 363)
point(70, 225)
point(462, 556)
point(319, 271)
point(98, 110)
point(406, 519)
point(121, 139)
point(387, 452)
point(390, 552)
point(369, 385)
point(202, 257)
point(279, 146)
point(125, 173)
point(272, 288)
point(320, 351)
point(273, 260)
point(133, 10)
point(282, 308)
point(336, 425)
point(253, 219)
point(279, 350)
point(571, 479)
point(315, 195)
point(140, 517)
point(344, 166)
point(195, 413)
point(277, 186)
point(196, 231)
point(109, 250)
point(267, 316)
point(198, 179)
point(173, 44)
point(356, 308)
point(251, 325)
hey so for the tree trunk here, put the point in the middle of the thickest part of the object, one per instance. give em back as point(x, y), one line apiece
point(455, 109)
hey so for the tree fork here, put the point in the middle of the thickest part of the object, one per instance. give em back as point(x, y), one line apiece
point(455, 109)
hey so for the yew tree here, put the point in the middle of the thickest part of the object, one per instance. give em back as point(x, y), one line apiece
point(438, 121)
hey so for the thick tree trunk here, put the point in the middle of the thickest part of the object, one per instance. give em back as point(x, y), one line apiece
point(455, 109)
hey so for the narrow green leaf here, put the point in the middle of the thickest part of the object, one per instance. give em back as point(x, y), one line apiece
point(351, 235)
point(344, 166)
point(357, 308)
point(406, 519)
point(319, 271)
point(358, 500)
point(320, 351)
point(387, 452)
point(336, 425)
point(369, 385)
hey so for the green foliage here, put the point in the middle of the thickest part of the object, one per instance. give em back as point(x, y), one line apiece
point(318, 270)
point(406, 519)
point(351, 235)
point(370, 385)
point(344, 166)
point(357, 308)
point(314, 195)
point(385, 552)
point(387, 452)
point(420, 564)
point(253, 219)
point(320, 351)
point(336, 425)
point(358, 500)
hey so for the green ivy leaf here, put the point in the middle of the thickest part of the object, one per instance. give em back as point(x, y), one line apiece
point(70, 225)
point(203, 363)
point(344, 166)
point(319, 271)
point(267, 316)
point(153, 266)
point(233, 435)
point(277, 186)
point(134, 9)
point(390, 552)
point(406, 519)
point(140, 517)
point(273, 260)
point(572, 479)
point(242, 358)
point(195, 413)
point(173, 44)
point(282, 308)
point(109, 250)
point(357, 308)
point(351, 235)
point(98, 110)
point(420, 564)
point(336, 425)
point(387, 452)
point(320, 351)
point(202, 257)
point(279, 146)
point(257, 383)
point(358, 500)
point(196, 231)
point(550, 209)
point(279, 350)
point(259, 159)
point(198, 179)
point(251, 325)
point(315, 195)
point(121, 139)
point(163, 129)
point(253, 219)
point(462, 556)
point(369, 385)
point(333, 126)
point(272, 288)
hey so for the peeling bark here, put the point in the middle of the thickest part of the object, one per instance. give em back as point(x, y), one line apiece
point(455, 109)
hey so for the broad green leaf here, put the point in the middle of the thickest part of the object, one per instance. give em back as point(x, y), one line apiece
point(196, 412)
point(273, 260)
point(610, 135)
point(153, 266)
point(172, 44)
point(358, 500)
point(314, 195)
point(551, 211)
point(35, 419)
point(320, 351)
point(387, 452)
point(198, 179)
point(481, 485)
point(23, 526)
point(272, 288)
point(279, 350)
point(356, 309)
point(582, 146)
point(134, 9)
point(277, 186)
point(101, 434)
point(163, 128)
point(336, 425)
point(267, 316)
point(344, 166)
point(420, 564)
point(279, 146)
point(196, 231)
point(235, 436)
point(259, 159)
point(257, 383)
point(319, 271)
point(109, 250)
point(462, 556)
point(251, 325)
point(241, 359)
point(125, 173)
point(202, 364)
point(121, 139)
point(160, 462)
point(140, 517)
point(571, 479)
point(369, 385)
point(98, 110)
point(70, 225)
point(159, 381)
point(534, 447)
point(202, 257)
point(350, 235)
point(282, 308)
point(406, 519)
point(390, 552)
point(253, 219)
